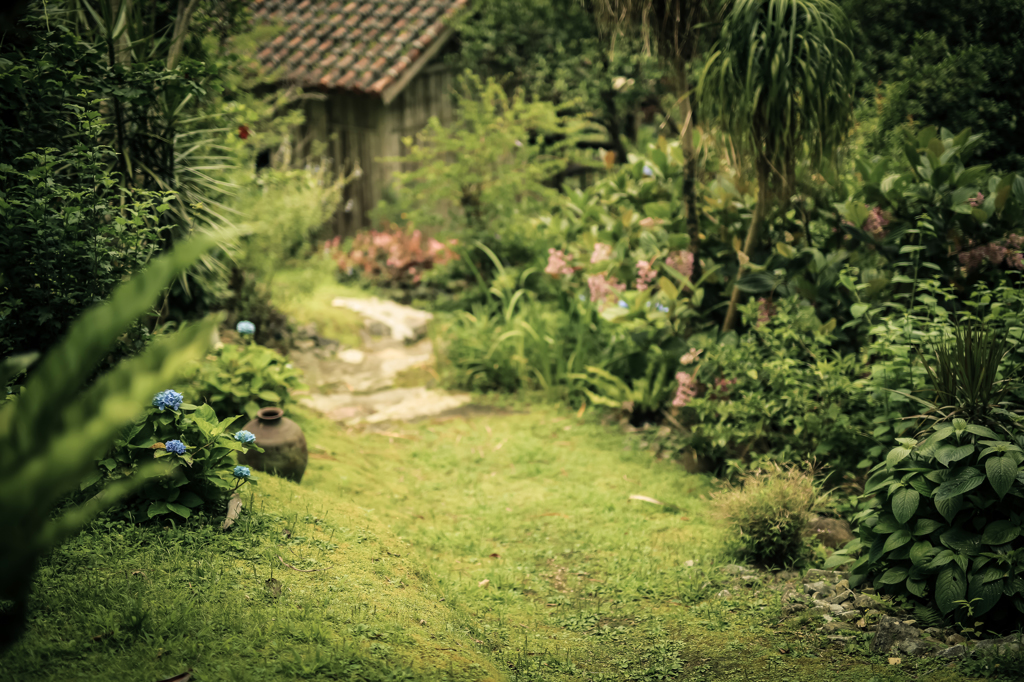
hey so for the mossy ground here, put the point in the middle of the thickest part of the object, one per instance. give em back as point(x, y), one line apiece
point(496, 544)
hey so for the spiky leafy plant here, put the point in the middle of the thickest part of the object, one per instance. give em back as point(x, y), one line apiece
point(780, 83)
point(945, 525)
point(52, 433)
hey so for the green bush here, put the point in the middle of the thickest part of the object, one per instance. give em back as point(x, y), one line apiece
point(945, 519)
point(768, 514)
point(778, 393)
point(242, 378)
point(71, 231)
point(54, 430)
point(200, 450)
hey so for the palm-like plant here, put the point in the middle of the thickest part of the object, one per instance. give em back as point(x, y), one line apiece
point(780, 83)
point(674, 27)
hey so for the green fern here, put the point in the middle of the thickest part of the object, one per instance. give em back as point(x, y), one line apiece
point(53, 431)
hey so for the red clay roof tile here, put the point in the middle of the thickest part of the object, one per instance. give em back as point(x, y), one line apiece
point(362, 44)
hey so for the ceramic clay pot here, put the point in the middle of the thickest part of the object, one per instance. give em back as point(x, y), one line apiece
point(284, 445)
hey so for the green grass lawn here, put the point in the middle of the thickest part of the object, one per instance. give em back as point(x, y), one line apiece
point(498, 545)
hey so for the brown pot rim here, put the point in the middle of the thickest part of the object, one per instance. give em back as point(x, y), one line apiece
point(270, 414)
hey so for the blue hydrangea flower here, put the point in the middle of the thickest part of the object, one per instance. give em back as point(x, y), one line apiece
point(167, 400)
point(241, 472)
point(245, 437)
point(648, 171)
point(623, 304)
point(175, 446)
point(245, 328)
point(661, 307)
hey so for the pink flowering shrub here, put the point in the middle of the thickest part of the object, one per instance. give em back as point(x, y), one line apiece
point(686, 389)
point(681, 262)
point(602, 288)
point(1006, 252)
point(602, 252)
point(645, 275)
point(391, 257)
point(558, 264)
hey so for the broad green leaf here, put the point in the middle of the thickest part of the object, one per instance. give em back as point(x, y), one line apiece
point(921, 553)
point(887, 523)
point(858, 309)
point(904, 504)
point(269, 396)
point(156, 509)
point(948, 454)
point(894, 575)
point(961, 540)
point(950, 587)
point(896, 540)
point(963, 480)
point(896, 455)
point(918, 588)
point(1000, 532)
point(984, 594)
point(1001, 473)
point(949, 506)
point(926, 526)
point(981, 431)
point(179, 509)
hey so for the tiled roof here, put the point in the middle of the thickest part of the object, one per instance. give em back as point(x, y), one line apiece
point(363, 45)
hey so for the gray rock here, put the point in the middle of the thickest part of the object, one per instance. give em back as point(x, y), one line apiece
point(833, 533)
point(831, 577)
point(890, 632)
point(850, 616)
point(955, 639)
point(863, 601)
point(787, 575)
point(918, 647)
point(841, 597)
point(819, 587)
point(794, 607)
point(387, 318)
point(837, 626)
point(1002, 646)
point(724, 594)
point(953, 652)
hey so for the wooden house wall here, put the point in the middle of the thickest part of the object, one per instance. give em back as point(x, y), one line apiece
point(355, 130)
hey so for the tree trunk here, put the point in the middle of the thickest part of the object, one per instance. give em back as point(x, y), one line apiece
point(748, 245)
point(185, 10)
point(690, 157)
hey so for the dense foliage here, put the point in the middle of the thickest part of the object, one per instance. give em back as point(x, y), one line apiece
point(945, 64)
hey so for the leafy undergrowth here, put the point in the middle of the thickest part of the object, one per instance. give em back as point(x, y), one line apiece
point(523, 515)
point(121, 602)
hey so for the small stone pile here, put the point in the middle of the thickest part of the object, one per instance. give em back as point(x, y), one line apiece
point(847, 611)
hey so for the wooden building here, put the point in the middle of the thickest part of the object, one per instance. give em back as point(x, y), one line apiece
point(372, 73)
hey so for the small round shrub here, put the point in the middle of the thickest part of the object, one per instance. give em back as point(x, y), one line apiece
point(769, 512)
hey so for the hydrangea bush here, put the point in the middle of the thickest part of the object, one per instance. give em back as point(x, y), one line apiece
point(197, 447)
point(240, 379)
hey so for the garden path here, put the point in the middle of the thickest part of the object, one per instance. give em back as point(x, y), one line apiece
point(369, 385)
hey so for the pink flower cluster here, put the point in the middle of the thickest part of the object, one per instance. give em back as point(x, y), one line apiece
point(602, 288)
point(766, 310)
point(681, 262)
point(722, 387)
point(977, 200)
point(875, 223)
point(686, 389)
point(602, 252)
point(558, 264)
point(645, 275)
point(690, 356)
point(393, 256)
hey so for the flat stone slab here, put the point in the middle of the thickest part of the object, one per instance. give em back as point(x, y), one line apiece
point(387, 318)
point(395, 404)
point(362, 371)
